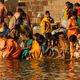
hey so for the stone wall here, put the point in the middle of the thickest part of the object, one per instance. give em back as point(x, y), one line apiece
point(54, 6)
point(33, 7)
point(11, 5)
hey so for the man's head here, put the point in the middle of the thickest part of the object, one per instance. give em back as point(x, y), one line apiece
point(73, 38)
point(9, 14)
point(47, 13)
point(68, 5)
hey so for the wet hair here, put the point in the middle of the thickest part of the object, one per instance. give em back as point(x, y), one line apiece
point(40, 39)
point(9, 13)
point(36, 35)
point(29, 35)
point(47, 12)
point(73, 38)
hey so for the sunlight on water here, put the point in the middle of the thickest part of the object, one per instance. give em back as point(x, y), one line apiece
point(47, 69)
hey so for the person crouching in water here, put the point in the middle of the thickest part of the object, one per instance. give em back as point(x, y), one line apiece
point(72, 33)
point(9, 48)
point(63, 43)
point(27, 47)
point(36, 50)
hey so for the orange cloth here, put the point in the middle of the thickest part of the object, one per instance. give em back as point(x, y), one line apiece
point(73, 28)
point(17, 51)
point(12, 49)
point(72, 32)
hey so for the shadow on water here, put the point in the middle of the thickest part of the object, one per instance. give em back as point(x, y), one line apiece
point(46, 69)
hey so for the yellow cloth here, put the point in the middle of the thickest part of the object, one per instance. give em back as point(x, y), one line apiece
point(41, 56)
point(36, 50)
point(45, 26)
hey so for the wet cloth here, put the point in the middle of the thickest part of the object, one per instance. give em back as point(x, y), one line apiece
point(10, 49)
point(35, 52)
point(72, 28)
point(25, 52)
point(72, 32)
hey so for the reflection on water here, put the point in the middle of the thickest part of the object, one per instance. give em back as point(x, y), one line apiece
point(47, 69)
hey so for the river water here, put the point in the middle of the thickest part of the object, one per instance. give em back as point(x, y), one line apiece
point(45, 69)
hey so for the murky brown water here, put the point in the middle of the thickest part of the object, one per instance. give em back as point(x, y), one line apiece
point(47, 69)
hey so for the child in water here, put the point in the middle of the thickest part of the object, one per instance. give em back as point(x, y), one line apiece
point(72, 33)
point(63, 42)
point(35, 51)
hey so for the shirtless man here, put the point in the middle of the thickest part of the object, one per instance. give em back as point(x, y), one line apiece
point(2, 11)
